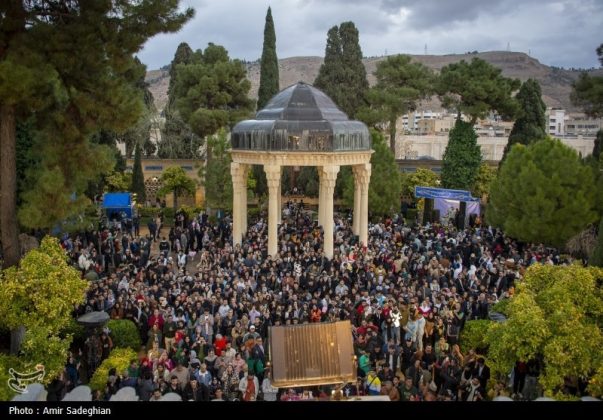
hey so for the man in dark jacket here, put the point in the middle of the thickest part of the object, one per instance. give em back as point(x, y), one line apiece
point(194, 391)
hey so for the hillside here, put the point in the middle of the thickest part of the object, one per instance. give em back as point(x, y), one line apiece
point(555, 82)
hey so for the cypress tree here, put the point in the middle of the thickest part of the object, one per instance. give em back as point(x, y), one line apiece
point(462, 157)
point(138, 177)
point(343, 75)
point(269, 85)
point(530, 125)
point(598, 145)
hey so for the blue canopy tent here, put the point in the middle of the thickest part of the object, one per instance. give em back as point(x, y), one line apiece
point(443, 200)
point(119, 204)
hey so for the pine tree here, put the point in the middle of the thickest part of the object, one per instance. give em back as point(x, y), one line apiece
point(462, 157)
point(476, 88)
point(71, 65)
point(530, 124)
point(216, 174)
point(211, 91)
point(543, 193)
point(400, 85)
point(137, 186)
point(343, 75)
point(269, 78)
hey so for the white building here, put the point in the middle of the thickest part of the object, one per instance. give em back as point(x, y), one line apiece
point(555, 118)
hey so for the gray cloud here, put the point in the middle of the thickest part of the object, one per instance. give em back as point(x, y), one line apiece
point(557, 32)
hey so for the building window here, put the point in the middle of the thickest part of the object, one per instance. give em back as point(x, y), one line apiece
point(186, 167)
point(153, 168)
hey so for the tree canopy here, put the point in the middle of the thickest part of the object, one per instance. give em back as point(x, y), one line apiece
point(216, 175)
point(476, 88)
point(530, 124)
point(543, 193)
point(269, 78)
point(39, 294)
point(462, 157)
point(420, 178)
point(483, 180)
point(176, 181)
point(587, 91)
point(342, 76)
point(211, 91)
point(401, 84)
point(555, 317)
point(71, 65)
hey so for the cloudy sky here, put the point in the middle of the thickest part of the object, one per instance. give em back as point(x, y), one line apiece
point(563, 33)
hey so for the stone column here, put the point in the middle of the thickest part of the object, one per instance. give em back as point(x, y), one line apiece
point(280, 200)
point(243, 198)
point(273, 177)
point(321, 192)
point(328, 181)
point(357, 201)
point(238, 171)
point(363, 174)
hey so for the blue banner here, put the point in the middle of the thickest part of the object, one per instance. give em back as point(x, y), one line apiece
point(430, 192)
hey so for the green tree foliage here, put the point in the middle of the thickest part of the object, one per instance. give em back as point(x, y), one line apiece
point(174, 180)
point(587, 91)
point(124, 334)
point(385, 185)
point(184, 55)
point(596, 258)
point(119, 359)
point(530, 124)
point(118, 181)
point(342, 76)
point(420, 178)
point(476, 88)
point(137, 185)
point(40, 295)
point(211, 92)
point(462, 157)
point(70, 64)
point(216, 174)
point(401, 84)
point(483, 180)
point(543, 193)
point(473, 336)
point(178, 141)
point(556, 315)
point(269, 78)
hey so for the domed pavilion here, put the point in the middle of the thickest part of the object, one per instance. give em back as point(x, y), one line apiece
point(301, 126)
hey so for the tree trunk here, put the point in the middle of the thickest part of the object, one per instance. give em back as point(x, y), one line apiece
point(17, 335)
point(392, 136)
point(9, 227)
point(8, 187)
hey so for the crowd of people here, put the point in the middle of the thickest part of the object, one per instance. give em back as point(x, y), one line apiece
point(203, 308)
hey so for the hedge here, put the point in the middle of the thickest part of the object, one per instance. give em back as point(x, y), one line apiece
point(124, 334)
point(119, 359)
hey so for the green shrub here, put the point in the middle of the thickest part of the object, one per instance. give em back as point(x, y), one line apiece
point(119, 359)
point(124, 334)
point(473, 336)
point(148, 212)
point(502, 307)
point(168, 214)
point(10, 362)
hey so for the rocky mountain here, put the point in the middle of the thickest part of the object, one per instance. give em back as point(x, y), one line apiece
point(556, 83)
